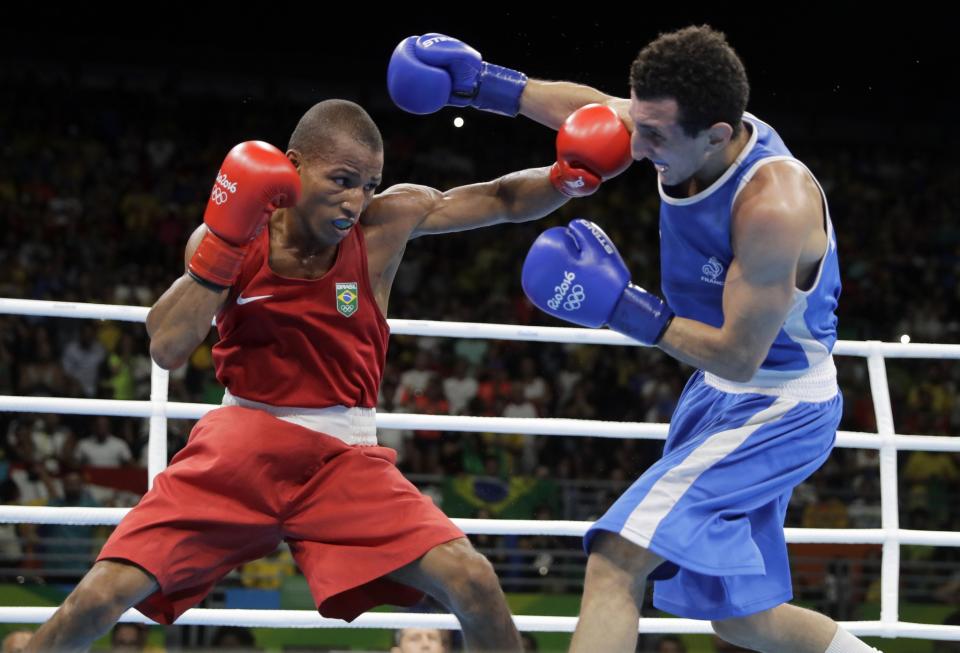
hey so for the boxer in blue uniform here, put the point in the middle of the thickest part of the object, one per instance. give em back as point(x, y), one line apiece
point(750, 282)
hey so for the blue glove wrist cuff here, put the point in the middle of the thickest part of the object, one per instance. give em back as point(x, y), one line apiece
point(499, 90)
point(641, 315)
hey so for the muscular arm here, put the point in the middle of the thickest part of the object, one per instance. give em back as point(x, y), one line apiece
point(549, 103)
point(769, 232)
point(515, 197)
point(180, 320)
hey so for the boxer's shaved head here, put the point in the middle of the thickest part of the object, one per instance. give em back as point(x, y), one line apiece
point(326, 122)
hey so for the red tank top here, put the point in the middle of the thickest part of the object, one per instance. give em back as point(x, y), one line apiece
point(303, 342)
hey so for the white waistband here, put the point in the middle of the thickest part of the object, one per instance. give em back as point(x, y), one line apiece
point(819, 383)
point(354, 425)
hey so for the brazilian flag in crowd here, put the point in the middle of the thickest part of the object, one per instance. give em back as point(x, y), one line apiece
point(515, 497)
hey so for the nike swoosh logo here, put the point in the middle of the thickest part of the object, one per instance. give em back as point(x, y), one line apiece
point(241, 300)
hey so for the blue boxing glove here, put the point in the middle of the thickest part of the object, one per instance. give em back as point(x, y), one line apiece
point(431, 71)
point(576, 274)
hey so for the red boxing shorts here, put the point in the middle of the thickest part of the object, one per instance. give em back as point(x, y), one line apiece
point(247, 481)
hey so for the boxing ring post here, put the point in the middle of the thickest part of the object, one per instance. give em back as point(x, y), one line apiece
point(889, 501)
point(890, 536)
point(157, 442)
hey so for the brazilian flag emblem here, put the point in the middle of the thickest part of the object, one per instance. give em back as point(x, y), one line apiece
point(348, 301)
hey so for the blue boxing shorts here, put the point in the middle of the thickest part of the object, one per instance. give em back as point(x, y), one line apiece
point(715, 503)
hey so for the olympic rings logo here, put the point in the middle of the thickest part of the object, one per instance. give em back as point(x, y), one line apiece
point(219, 196)
point(575, 299)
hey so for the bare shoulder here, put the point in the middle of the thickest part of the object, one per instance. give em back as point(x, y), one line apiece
point(392, 216)
point(400, 204)
point(777, 211)
point(388, 223)
point(784, 184)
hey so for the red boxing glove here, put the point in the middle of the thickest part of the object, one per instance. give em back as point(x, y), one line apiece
point(573, 181)
point(593, 145)
point(255, 179)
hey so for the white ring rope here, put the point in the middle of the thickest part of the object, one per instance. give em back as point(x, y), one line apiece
point(112, 516)
point(461, 423)
point(310, 619)
point(890, 536)
point(541, 624)
point(473, 330)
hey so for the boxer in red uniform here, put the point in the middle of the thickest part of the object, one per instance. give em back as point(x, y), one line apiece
point(296, 258)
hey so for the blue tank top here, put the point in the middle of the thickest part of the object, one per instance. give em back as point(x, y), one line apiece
point(696, 251)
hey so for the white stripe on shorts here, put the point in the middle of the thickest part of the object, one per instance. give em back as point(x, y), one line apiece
point(667, 491)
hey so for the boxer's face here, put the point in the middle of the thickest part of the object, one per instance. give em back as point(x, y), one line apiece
point(337, 186)
point(659, 137)
point(420, 640)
